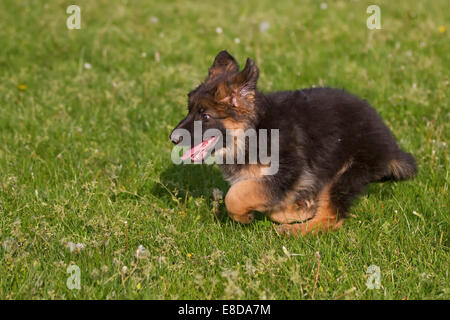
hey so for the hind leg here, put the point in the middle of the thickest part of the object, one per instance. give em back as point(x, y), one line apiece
point(291, 213)
point(325, 218)
point(334, 200)
point(348, 187)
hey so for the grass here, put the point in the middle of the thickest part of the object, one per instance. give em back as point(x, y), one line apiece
point(85, 154)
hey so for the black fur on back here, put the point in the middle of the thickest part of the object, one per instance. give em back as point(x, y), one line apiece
point(323, 131)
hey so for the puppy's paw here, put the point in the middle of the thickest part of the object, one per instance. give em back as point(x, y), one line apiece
point(245, 218)
point(287, 229)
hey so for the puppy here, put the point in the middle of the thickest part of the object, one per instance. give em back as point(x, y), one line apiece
point(330, 145)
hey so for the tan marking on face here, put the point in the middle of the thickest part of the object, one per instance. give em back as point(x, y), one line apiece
point(232, 124)
point(211, 105)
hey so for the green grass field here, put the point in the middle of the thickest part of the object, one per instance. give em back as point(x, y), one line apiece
point(85, 117)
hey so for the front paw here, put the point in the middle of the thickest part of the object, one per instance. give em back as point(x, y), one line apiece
point(243, 218)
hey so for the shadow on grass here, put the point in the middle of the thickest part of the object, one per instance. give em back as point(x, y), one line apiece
point(183, 181)
point(384, 190)
point(197, 181)
point(193, 180)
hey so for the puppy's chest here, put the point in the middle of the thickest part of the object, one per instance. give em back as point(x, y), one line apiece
point(235, 173)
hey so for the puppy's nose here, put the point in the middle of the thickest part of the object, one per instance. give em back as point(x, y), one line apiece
point(176, 138)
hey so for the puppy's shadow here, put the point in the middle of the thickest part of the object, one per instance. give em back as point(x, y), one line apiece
point(195, 181)
point(189, 180)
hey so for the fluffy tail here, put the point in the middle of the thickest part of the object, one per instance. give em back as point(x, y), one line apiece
point(403, 167)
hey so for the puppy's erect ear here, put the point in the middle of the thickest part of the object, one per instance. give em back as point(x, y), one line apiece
point(240, 89)
point(223, 62)
point(246, 80)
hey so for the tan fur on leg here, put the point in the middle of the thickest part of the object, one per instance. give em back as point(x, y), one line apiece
point(243, 197)
point(324, 220)
point(289, 214)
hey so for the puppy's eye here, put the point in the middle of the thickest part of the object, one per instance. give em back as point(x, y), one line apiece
point(205, 116)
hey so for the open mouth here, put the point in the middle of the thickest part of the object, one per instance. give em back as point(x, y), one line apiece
point(199, 151)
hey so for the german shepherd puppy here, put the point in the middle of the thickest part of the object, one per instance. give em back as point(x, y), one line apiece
point(331, 145)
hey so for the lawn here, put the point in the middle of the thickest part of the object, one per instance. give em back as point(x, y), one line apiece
point(85, 118)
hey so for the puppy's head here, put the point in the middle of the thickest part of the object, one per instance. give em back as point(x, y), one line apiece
point(226, 100)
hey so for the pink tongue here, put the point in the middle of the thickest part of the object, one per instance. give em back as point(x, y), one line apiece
point(198, 152)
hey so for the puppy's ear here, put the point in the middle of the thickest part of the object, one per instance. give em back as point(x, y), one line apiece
point(223, 62)
point(246, 80)
point(240, 89)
